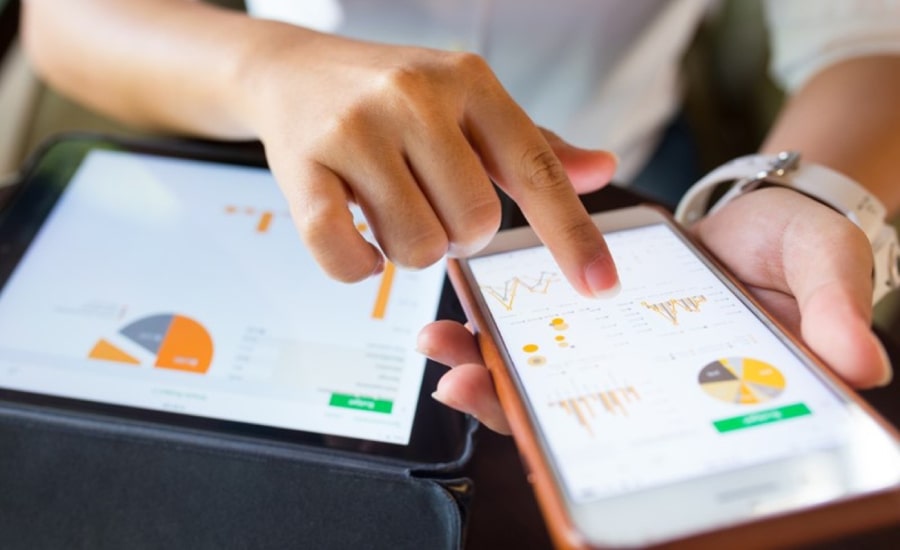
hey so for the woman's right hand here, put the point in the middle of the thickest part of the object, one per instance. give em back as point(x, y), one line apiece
point(414, 136)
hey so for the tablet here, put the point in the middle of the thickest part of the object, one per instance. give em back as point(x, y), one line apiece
point(166, 282)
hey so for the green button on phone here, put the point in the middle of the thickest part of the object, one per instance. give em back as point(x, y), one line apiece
point(761, 417)
point(360, 403)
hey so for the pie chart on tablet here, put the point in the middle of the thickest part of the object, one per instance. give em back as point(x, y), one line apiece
point(175, 341)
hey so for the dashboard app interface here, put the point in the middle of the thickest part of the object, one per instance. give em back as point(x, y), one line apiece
point(183, 286)
point(674, 377)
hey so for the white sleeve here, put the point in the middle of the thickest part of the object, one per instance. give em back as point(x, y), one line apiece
point(809, 35)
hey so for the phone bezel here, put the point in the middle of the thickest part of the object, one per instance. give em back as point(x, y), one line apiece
point(574, 524)
point(439, 436)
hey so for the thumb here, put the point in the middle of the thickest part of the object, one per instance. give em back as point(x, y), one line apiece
point(588, 169)
point(809, 266)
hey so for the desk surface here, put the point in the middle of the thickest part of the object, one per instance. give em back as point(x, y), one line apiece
point(504, 513)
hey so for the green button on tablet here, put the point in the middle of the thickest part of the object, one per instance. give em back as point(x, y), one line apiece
point(761, 417)
point(360, 403)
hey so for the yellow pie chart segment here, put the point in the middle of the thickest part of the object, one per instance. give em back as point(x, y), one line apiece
point(741, 380)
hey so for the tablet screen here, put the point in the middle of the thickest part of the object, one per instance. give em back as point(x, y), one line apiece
point(182, 285)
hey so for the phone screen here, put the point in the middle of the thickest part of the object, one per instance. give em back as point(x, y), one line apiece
point(672, 378)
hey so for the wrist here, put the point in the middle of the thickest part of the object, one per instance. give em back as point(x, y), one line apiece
point(831, 188)
point(273, 58)
point(243, 82)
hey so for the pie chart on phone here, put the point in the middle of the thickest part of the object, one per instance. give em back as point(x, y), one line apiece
point(175, 341)
point(741, 380)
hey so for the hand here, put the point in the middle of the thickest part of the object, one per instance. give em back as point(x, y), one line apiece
point(808, 265)
point(415, 136)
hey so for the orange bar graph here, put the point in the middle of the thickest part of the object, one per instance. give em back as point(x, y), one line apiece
point(384, 291)
point(606, 403)
point(613, 402)
point(264, 221)
point(571, 406)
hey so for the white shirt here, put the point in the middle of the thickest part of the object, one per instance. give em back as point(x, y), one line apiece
point(601, 73)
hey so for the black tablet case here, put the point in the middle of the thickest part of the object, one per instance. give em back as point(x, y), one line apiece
point(74, 480)
point(79, 482)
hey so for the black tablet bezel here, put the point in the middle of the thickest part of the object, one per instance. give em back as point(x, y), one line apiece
point(439, 435)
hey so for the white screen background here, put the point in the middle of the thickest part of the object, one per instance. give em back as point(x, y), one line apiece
point(203, 260)
point(629, 390)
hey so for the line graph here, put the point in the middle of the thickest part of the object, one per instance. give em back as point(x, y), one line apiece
point(669, 309)
point(506, 294)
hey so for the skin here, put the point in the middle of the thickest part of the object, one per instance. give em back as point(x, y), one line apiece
point(394, 129)
point(347, 121)
point(829, 306)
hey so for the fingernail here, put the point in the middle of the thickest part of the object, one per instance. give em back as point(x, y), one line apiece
point(601, 277)
point(615, 157)
point(438, 397)
point(459, 250)
point(420, 347)
point(379, 266)
point(611, 292)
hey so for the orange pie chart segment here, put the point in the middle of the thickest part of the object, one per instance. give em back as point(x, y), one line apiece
point(187, 346)
point(106, 351)
point(179, 342)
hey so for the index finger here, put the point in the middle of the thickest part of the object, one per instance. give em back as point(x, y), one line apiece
point(519, 159)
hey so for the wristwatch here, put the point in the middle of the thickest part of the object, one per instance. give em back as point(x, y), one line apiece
point(822, 184)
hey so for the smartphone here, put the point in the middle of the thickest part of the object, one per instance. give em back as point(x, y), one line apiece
point(675, 411)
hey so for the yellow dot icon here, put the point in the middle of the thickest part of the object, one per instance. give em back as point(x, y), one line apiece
point(530, 348)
